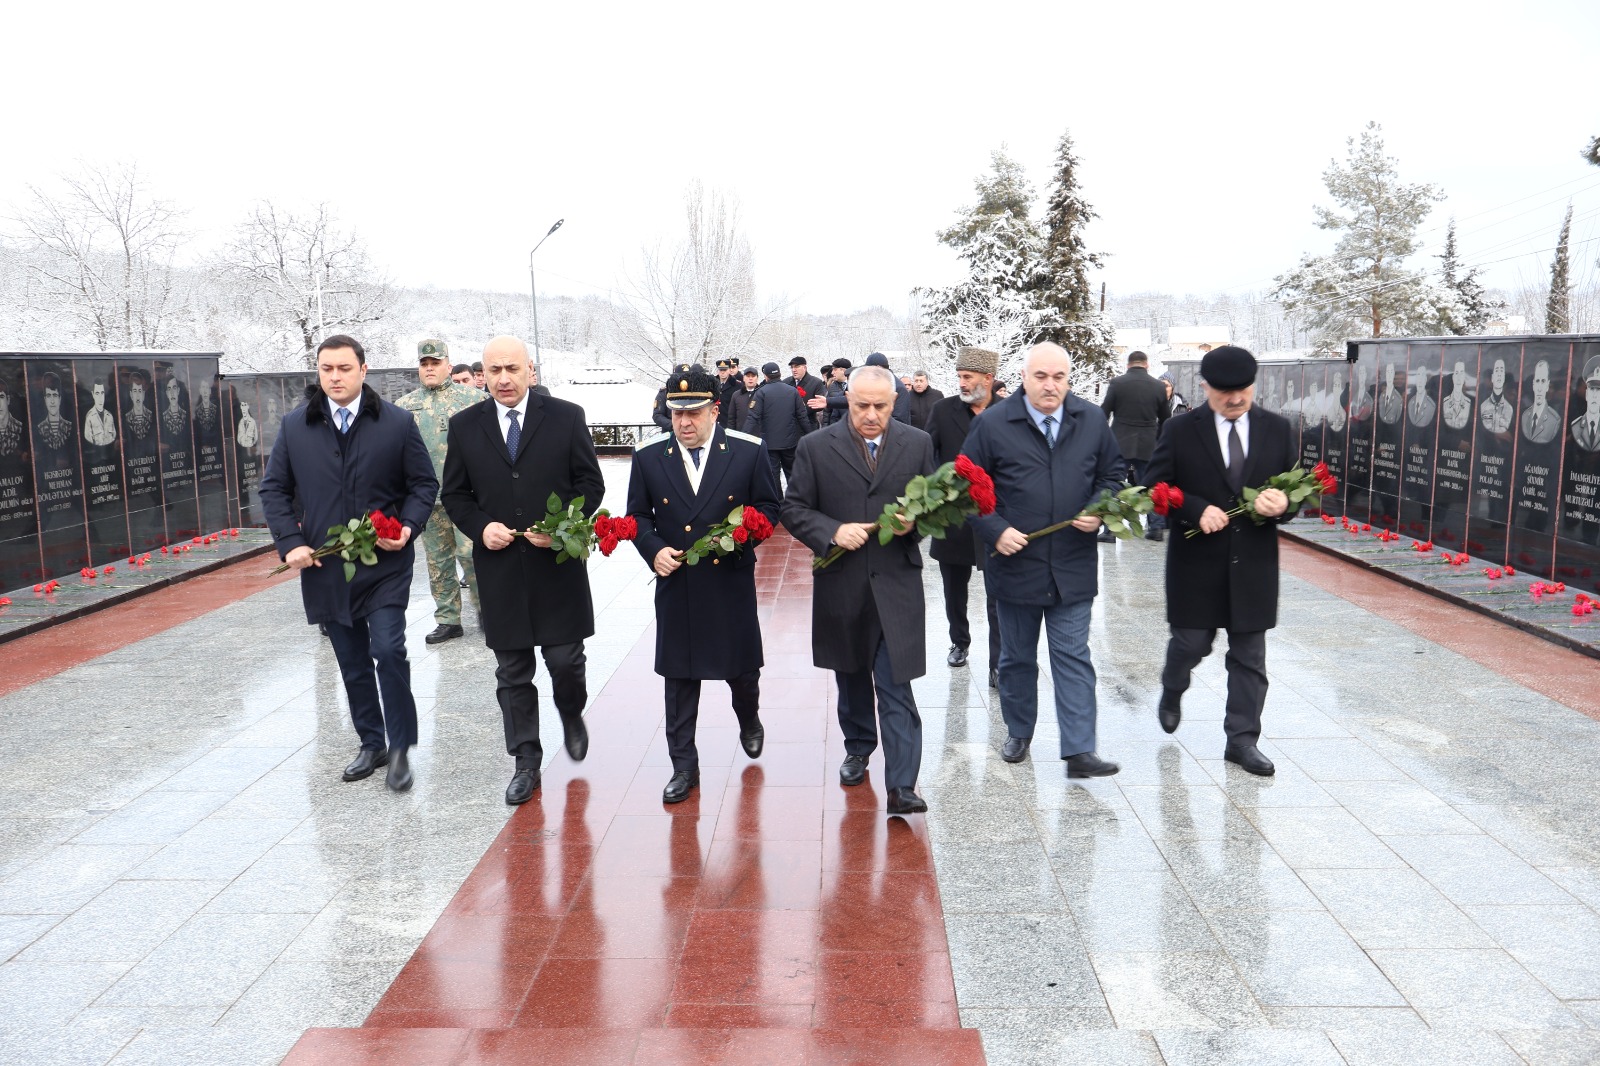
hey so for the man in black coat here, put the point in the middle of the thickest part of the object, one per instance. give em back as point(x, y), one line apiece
point(834, 403)
point(923, 397)
point(806, 382)
point(503, 461)
point(959, 552)
point(680, 487)
point(1226, 577)
point(344, 454)
point(866, 608)
point(1050, 454)
point(780, 418)
point(730, 384)
point(1137, 407)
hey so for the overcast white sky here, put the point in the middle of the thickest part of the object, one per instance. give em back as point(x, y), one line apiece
point(452, 135)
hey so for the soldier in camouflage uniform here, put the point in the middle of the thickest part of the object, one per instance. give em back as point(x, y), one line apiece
point(432, 405)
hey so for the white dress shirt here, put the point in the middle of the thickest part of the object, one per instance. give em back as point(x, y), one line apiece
point(354, 407)
point(690, 470)
point(502, 411)
point(1222, 433)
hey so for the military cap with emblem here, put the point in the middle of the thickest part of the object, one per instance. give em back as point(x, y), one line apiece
point(1228, 367)
point(432, 348)
point(1591, 371)
point(690, 387)
point(724, 364)
point(978, 360)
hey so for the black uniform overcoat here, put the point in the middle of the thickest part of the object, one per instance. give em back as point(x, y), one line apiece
point(778, 415)
point(876, 588)
point(529, 600)
point(1227, 579)
point(706, 626)
point(380, 465)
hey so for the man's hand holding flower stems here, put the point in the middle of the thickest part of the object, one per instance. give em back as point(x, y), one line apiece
point(301, 557)
point(852, 535)
point(1011, 541)
point(1271, 503)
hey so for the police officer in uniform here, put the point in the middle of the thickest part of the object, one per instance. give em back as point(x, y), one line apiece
point(706, 625)
point(780, 418)
point(432, 406)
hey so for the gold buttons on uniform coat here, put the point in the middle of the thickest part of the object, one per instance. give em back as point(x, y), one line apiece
point(730, 497)
point(686, 529)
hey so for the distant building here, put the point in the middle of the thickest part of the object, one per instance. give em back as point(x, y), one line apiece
point(1191, 342)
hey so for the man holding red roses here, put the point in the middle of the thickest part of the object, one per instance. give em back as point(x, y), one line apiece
point(681, 487)
point(1226, 576)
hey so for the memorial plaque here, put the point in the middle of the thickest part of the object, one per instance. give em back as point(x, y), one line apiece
point(1361, 411)
point(1335, 432)
point(57, 466)
point(105, 496)
point(1388, 434)
point(211, 474)
point(141, 454)
point(1537, 462)
point(1452, 477)
point(248, 458)
point(20, 564)
point(1494, 440)
point(176, 438)
point(1420, 438)
point(1293, 406)
point(1578, 535)
point(1313, 413)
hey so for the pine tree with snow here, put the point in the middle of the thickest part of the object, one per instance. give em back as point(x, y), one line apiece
point(1005, 191)
point(1364, 288)
point(1556, 311)
point(1592, 153)
point(1065, 297)
point(1467, 308)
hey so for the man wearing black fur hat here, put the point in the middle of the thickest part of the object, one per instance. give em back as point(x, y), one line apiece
point(1225, 577)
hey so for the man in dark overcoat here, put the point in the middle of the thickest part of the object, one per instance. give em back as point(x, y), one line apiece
point(808, 384)
point(866, 608)
point(958, 552)
point(344, 454)
point(1137, 406)
point(1050, 454)
point(1225, 577)
point(679, 488)
point(780, 418)
point(503, 461)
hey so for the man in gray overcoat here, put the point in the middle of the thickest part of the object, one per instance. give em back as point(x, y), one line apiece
point(843, 477)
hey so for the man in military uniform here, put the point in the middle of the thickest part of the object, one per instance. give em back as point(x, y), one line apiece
point(1539, 422)
point(1586, 427)
point(1421, 409)
point(681, 486)
point(99, 428)
point(780, 418)
point(730, 384)
point(1496, 410)
point(1390, 403)
point(1457, 408)
point(54, 432)
point(432, 405)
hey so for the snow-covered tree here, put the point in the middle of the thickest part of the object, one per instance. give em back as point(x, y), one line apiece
point(1592, 153)
point(1065, 298)
point(994, 306)
point(1005, 191)
point(1467, 308)
point(1557, 317)
point(101, 248)
point(1364, 288)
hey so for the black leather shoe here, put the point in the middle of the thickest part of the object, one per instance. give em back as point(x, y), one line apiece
point(1015, 749)
point(1154, 534)
point(1249, 759)
point(1170, 710)
point(906, 801)
point(399, 778)
point(853, 770)
point(367, 760)
point(753, 740)
point(957, 656)
point(441, 634)
point(322, 627)
point(576, 737)
point(994, 678)
point(1105, 536)
point(1090, 765)
point(683, 782)
point(523, 785)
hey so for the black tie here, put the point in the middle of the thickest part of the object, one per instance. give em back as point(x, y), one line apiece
point(513, 436)
point(694, 453)
point(1050, 431)
point(1235, 458)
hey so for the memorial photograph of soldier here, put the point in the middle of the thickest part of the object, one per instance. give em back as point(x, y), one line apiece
point(99, 425)
point(1311, 425)
point(1391, 399)
point(1336, 408)
point(1457, 404)
point(1580, 473)
point(18, 515)
point(211, 473)
point(678, 488)
point(1452, 473)
point(447, 553)
point(1536, 491)
point(105, 503)
point(1422, 407)
point(176, 438)
point(1494, 437)
point(1540, 421)
point(247, 458)
point(57, 466)
point(779, 417)
point(141, 457)
point(174, 407)
point(246, 433)
point(1137, 406)
point(1360, 434)
point(1388, 434)
point(1419, 440)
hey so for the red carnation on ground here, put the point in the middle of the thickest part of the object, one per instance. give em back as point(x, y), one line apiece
point(5, 601)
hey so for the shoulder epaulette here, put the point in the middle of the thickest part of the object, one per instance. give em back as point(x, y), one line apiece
point(738, 435)
point(659, 438)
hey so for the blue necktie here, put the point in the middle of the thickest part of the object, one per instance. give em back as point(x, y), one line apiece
point(344, 420)
point(1050, 431)
point(513, 436)
point(872, 450)
point(694, 453)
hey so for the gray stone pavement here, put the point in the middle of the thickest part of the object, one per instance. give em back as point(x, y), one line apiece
point(183, 877)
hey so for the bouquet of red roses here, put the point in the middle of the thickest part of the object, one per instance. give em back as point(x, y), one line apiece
point(744, 525)
point(574, 534)
point(1302, 487)
point(932, 503)
point(356, 541)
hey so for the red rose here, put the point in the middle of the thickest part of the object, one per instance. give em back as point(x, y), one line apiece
point(608, 545)
point(602, 527)
point(1165, 497)
point(625, 528)
point(111, 570)
point(740, 534)
point(756, 524)
point(163, 549)
point(38, 588)
point(802, 392)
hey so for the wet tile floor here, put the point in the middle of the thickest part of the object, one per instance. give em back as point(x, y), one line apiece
point(183, 878)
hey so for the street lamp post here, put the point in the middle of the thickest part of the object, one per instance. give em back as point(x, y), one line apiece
point(535, 286)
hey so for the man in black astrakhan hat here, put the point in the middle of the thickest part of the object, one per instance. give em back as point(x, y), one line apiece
point(681, 485)
point(1226, 576)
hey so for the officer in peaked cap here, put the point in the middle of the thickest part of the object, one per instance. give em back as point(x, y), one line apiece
point(1586, 427)
point(679, 487)
point(731, 385)
point(659, 412)
point(780, 418)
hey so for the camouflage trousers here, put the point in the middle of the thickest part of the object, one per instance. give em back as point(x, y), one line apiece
point(444, 546)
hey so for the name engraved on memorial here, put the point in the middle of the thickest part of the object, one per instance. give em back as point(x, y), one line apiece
point(105, 500)
point(141, 456)
point(1536, 490)
point(211, 472)
point(1420, 439)
point(1578, 546)
point(176, 437)
point(1362, 413)
point(1335, 431)
point(1452, 475)
point(58, 469)
point(19, 527)
point(1493, 437)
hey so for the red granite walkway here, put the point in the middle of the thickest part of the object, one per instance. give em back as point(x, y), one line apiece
point(774, 918)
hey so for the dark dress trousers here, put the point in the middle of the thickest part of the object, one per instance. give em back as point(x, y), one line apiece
point(706, 624)
point(854, 598)
point(1228, 579)
point(1053, 581)
point(529, 600)
point(316, 478)
point(957, 553)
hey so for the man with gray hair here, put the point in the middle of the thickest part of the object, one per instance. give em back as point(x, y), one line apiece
point(1050, 454)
